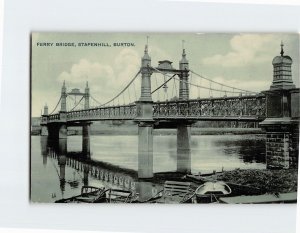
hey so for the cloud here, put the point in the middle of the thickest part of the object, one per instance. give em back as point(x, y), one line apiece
point(87, 70)
point(105, 81)
point(245, 49)
point(158, 53)
point(127, 64)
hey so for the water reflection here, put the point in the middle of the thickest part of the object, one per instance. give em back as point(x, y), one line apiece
point(147, 190)
point(58, 173)
point(82, 163)
point(62, 171)
point(44, 146)
point(86, 171)
point(249, 150)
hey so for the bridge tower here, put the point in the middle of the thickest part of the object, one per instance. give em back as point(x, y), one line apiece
point(87, 96)
point(63, 103)
point(46, 110)
point(145, 120)
point(282, 116)
point(184, 77)
point(183, 128)
point(62, 128)
point(86, 126)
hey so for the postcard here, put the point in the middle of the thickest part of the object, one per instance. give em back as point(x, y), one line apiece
point(164, 118)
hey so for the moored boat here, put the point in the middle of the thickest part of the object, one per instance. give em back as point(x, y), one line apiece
point(262, 199)
point(211, 191)
point(90, 194)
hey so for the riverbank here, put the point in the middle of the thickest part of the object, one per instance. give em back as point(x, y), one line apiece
point(133, 130)
point(272, 181)
point(259, 181)
point(130, 128)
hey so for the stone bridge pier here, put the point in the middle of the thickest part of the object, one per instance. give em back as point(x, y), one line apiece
point(184, 128)
point(86, 139)
point(145, 121)
point(58, 130)
point(184, 148)
point(282, 117)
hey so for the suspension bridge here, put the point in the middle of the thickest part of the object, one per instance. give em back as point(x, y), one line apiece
point(166, 97)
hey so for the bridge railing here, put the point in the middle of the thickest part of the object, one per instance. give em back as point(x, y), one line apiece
point(44, 119)
point(226, 108)
point(53, 118)
point(121, 112)
point(247, 107)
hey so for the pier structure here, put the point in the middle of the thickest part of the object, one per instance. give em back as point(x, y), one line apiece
point(282, 116)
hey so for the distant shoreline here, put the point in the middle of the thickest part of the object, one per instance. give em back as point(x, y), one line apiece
point(194, 131)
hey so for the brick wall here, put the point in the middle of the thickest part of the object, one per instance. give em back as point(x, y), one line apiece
point(282, 147)
point(294, 146)
point(277, 146)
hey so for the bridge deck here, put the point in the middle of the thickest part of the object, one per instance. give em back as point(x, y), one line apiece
point(243, 108)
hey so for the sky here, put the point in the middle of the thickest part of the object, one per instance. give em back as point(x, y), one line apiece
point(240, 60)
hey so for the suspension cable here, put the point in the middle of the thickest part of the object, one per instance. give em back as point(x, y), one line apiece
point(56, 106)
point(163, 84)
point(173, 87)
point(202, 86)
point(176, 87)
point(122, 90)
point(77, 104)
point(95, 99)
point(199, 89)
point(129, 95)
point(69, 106)
point(156, 86)
point(134, 91)
point(201, 76)
point(191, 81)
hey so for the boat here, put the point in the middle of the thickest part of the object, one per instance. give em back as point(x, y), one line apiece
point(90, 194)
point(261, 199)
point(211, 191)
point(120, 196)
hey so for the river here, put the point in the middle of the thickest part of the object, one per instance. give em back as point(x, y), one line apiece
point(208, 153)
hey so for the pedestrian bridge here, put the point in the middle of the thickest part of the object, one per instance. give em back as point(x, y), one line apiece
point(244, 108)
